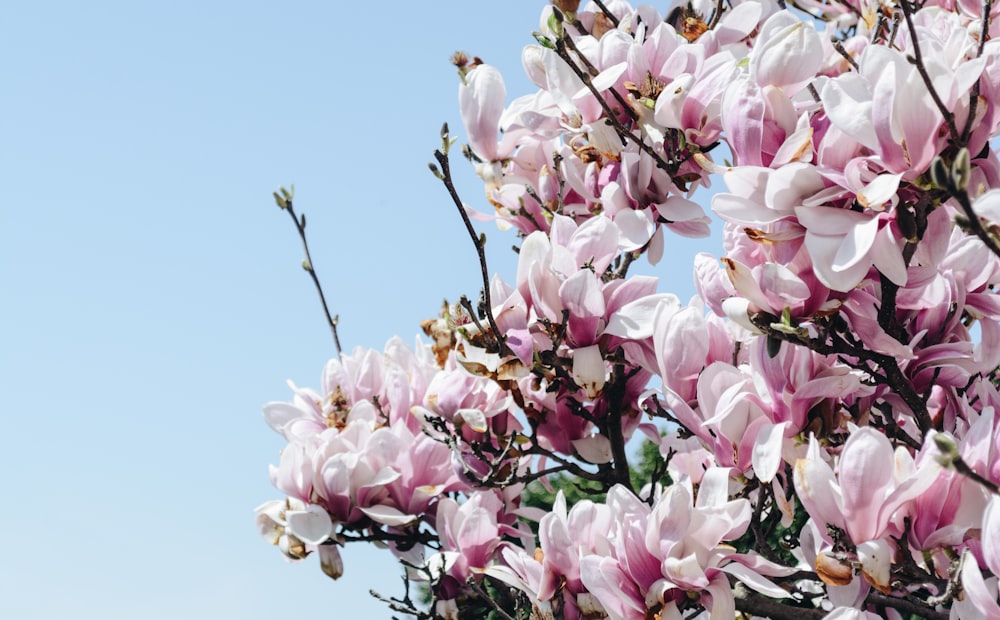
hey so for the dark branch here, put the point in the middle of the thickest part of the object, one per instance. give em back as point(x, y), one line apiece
point(479, 242)
point(285, 202)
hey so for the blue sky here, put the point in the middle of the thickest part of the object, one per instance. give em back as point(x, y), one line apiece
point(155, 298)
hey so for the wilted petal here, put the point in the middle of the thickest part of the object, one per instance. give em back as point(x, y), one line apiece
point(270, 520)
point(594, 449)
point(475, 418)
point(876, 562)
point(330, 561)
point(589, 371)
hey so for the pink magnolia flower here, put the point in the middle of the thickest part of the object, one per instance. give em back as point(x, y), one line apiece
point(470, 537)
point(661, 553)
point(552, 574)
point(390, 474)
point(867, 498)
point(481, 97)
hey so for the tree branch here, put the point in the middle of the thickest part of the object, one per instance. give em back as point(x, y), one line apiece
point(479, 241)
point(285, 202)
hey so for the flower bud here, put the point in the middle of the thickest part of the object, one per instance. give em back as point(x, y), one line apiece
point(330, 561)
point(939, 173)
point(961, 169)
point(949, 449)
point(833, 570)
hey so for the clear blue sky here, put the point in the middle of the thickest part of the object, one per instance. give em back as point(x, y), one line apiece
point(153, 298)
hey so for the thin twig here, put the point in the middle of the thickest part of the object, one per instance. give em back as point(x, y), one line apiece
point(593, 72)
point(850, 7)
point(471, 582)
point(442, 159)
point(975, 224)
point(974, 95)
point(611, 119)
point(607, 13)
point(307, 264)
point(892, 376)
point(837, 45)
point(963, 468)
point(717, 15)
point(395, 605)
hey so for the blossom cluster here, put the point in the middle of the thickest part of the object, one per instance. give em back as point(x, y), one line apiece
point(826, 410)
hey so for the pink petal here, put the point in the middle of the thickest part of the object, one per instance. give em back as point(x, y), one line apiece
point(866, 468)
point(783, 37)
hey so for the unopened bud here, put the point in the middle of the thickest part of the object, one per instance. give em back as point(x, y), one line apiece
point(330, 561)
point(543, 40)
point(949, 449)
point(961, 169)
point(939, 173)
point(445, 139)
point(555, 22)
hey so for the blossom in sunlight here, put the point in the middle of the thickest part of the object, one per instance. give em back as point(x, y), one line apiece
point(817, 427)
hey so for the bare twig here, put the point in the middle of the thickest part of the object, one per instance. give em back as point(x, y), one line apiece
point(837, 45)
point(975, 224)
point(471, 582)
point(905, 605)
point(717, 14)
point(441, 156)
point(607, 13)
point(623, 132)
point(757, 605)
point(284, 201)
point(974, 95)
point(593, 72)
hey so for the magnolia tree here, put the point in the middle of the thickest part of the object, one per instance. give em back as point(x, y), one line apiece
point(825, 412)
